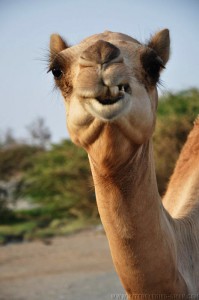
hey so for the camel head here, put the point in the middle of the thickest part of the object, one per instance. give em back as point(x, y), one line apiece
point(109, 84)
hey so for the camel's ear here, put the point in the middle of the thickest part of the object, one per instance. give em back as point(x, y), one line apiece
point(160, 43)
point(57, 44)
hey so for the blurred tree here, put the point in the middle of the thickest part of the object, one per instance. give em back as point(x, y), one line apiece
point(16, 160)
point(39, 133)
point(8, 139)
point(60, 178)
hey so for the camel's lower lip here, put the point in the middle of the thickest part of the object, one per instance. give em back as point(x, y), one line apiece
point(110, 101)
point(110, 108)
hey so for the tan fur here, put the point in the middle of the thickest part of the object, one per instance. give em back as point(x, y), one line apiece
point(111, 112)
point(106, 53)
point(183, 188)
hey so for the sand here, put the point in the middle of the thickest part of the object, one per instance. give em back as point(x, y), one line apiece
point(64, 268)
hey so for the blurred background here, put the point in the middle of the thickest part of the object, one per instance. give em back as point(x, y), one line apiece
point(45, 183)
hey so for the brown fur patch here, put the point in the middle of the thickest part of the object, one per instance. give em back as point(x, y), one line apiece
point(101, 52)
point(57, 44)
point(62, 63)
point(160, 43)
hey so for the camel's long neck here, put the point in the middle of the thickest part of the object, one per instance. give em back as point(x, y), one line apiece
point(137, 228)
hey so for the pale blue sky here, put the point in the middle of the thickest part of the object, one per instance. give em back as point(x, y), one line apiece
point(25, 27)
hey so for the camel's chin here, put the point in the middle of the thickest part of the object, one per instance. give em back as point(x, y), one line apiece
point(109, 112)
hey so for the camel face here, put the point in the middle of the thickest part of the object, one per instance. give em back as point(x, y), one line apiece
point(104, 81)
point(108, 79)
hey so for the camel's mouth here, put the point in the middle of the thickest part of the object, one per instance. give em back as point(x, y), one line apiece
point(117, 93)
point(109, 101)
point(109, 106)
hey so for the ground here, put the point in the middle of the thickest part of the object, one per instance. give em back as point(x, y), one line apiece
point(64, 268)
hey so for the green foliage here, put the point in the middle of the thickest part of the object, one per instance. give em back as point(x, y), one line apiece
point(184, 103)
point(16, 159)
point(16, 232)
point(176, 114)
point(60, 179)
point(6, 215)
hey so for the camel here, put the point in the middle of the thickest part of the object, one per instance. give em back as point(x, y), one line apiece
point(109, 85)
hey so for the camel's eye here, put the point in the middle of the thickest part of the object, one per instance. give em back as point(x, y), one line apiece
point(57, 73)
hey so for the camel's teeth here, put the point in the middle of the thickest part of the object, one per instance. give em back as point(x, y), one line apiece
point(114, 91)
